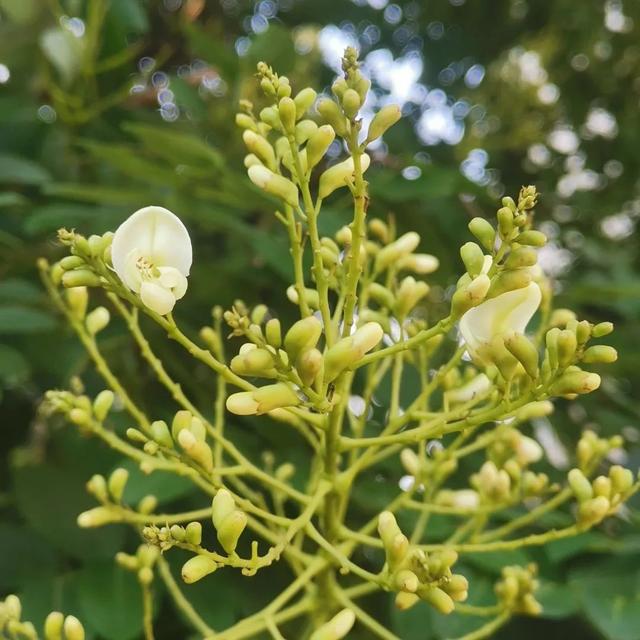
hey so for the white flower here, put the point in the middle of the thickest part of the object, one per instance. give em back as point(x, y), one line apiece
point(510, 311)
point(151, 253)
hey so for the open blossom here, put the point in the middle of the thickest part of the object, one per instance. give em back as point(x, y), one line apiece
point(508, 312)
point(151, 253)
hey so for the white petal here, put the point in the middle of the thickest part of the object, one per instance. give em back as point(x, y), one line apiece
point(158, 235)
point(509, 311)
point(171, 278)
point(130, 275)
point(157, 298)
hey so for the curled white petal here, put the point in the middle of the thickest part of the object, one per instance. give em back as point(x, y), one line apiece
point(510, 311)
point(151, 253)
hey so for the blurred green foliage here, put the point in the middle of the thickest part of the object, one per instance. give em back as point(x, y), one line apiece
point(110, 105)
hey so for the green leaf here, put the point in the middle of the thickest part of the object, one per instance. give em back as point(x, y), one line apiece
point(110, 601)
point(16, 319)
point(24, 555)
point(49, 218)
point(100, 194)
point(557, 600)
point(21, 171)
point(19, 290)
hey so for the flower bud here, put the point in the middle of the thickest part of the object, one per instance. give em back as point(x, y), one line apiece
point(580, 485)
point(561, 317)
point(80, 278)
point(592, 512)
point(117, 482)
point(382, 121)
point(521, 258)
point(197, 568)
point(302, 335)
point(303, 100)
point(485, 233)
point(97, 320)
point(256, 362)
point(318, 144)
point(53, 626)
point(602, 487)
point(410, 461)
point(337, 628)
point(437, 598)
point(287, 113)
point(405, 600)
point(309, 365)
point(331, 113)
point(602, 329)
point(509, 281)
point(524, 351)
point(68, 263)
point(73, 629)
point(148, 504)
point(161, 434)
point(470, 295)
point(260, 146)
point(242, 404)
point(350, 103)
point(182, 420)
point(77, 299)
point(576, 381)
point(566, 345)
point(197, 450)
point(222, 506)
point(97, 487)
point(621, 479)
point(102, 404)
point(230, 530)
point(275, 396)
point(96, 517)
point(534, 410)
point(409, 293)
point(505, 222)
point(304, 130)
point(472, 257)
point(532, 238)
point(245, 121)
point(251, 159)
point(406, 580)
point(310, 295)
point(600, 354)
point(193, 533)
point(274, 184)
point(338, 175)
point(421, 263)
point(401, 247)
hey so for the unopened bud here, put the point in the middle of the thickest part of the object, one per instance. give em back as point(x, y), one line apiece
point(302, 335)
point(97, 320)
point(337, 628)
point(80, 278)
point(382, 121)
point(182, 420)
point(197, 568)
point(102, 404)
point(331, 113)
point(260, 146)
point(600, 354)
point(472, 257)
point(524, 351)
point(287, 113)
point(304, 130)
point(309, 364)
point(592, 512)
point(273, 333)
point(338, 175)
point(532, 238)
point(421, 263)
point(245, 122)
point(274, 184)
point(602, 329)
point(470, 296)
point(437, 598)
point(318, 144)
point(53, 626)
point(161, 434)
point(197, 450)
point(77, 299)
point(522, 257)
point(303, 100)
point(621, 479)
point(580, 485)
point(96, 517)
point(485, 233)
point(117, 482)
point(193, 533)
point(230, 530)
point(73, 629)
point(576, 381)
point(401, 247)
point(256, 362)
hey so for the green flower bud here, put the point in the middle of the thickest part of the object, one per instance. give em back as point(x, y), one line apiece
point(271, 117)
point(338, 175)
point(287, 113)
point(275, 396)
point(97, 320)
point(522, 257)
point(380, 294)
point(245, 122)
point(222, 506)
point(161, 434)
point(273, 333)
point(405, 601)
point(197, 450)
point(96, 517)
point(117, 482)
point(350, 103)
point(254, 362)
point(53, 626)
point(318, 144)
point(457, 587)
point(242, 404)
point(310, 295)
point(470, 295)
point(602, 487)
point(178, 533)
point(362, 86)
point(197, 568)
point(485, 233)
point(135, 435)
point(509, 281)
point(230, 530)
point(309, 364)
point(193, 533)
point(567, 345)
point(77, 299)
point(401, 247)
point(583, 331)
point(382, 121)
point(524, 351)
point(68, 263)
point(303, 100)
point(388, 528)
point(534, 410)
point(97, 487)
point(73, 629)
point(409, 293)
point(148, 504)
point(505, 222)
point(274, 184)
point(621, 479)
point(472, 257)
point(331, 113)
point(261, 147)
point(601, 354)
point(102, 404)
point(145, 576)
point(580, 485)
point(575, 381)
point(592, 512)
point(339, 86)
point(561, 317)
point(509, 202)
point(421, 263)
point(437, 598)
point(80, 278)
point(602, 329)
point(532, 238)
point(337, 628)
point(182, 420)
point(304, 334)
point(406, 580)
point(251, 159)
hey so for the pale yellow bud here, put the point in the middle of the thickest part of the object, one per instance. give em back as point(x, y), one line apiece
point(96, 517)
point(117, 482)
point(97, 320)
point(337, 628)
point(230, 530)
point(274, 184)
point(421, 263)
point(401, 247)
point(302, 335)
point(53, 626)
point(102, 404)
point(318, 144)
point(73, 629)
point(382, 121)
point(242, 404)
point(339, 174)
point(303, 100)
point(260, 146)
point(197, 568)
